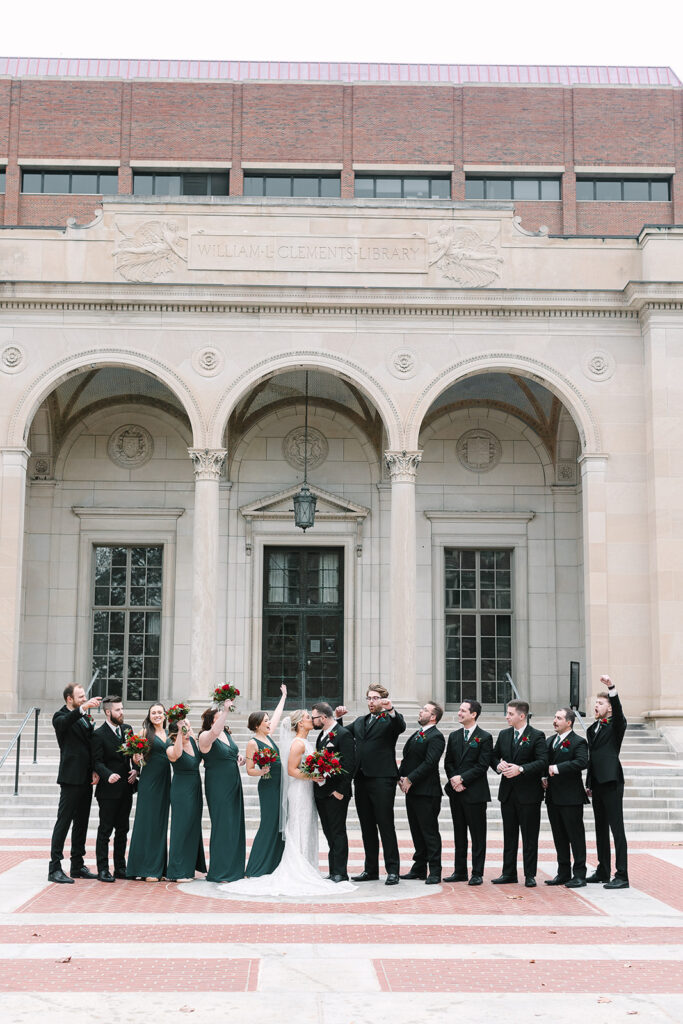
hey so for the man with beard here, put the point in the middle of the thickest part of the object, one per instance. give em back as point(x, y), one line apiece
point(333, 796)
point(605, 785)
point(419, 780)
point(114, 793)
point(565, 797)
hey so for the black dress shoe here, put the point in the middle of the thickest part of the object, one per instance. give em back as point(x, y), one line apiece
point(455, 878)
point(415, 874)
point(575, 883)
point(530, 882)
point(120, 874)
point(339, 878)
point(392, 880)
point(433, 880)
point(83, 873)
point(475, 880)
point(556, 881)
point(365, 876)
point(504, 880)
point(59, 876)
point(105, 876)
point(597, 878)
point(616, 883)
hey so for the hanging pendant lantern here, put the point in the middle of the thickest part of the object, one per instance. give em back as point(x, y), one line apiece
point(304, 501)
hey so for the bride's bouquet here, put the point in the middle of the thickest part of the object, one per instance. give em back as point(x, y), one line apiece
point(264, 757)
point(322, 765)
point(177, 713)
point(135, 745)
point(222, 693)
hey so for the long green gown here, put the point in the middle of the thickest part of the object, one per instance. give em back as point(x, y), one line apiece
point(147, 854)
point(227, 849)
point(268, 846)
point(186, 848)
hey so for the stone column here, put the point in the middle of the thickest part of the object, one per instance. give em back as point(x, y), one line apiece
point(402, 467)
point(207, 463)
point(593, 496)
point(12, 508)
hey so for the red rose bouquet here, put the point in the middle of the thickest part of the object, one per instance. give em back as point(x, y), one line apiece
point(225, 692)
point(264, 757)
point(134, 744)
point(322, 764)
point(177, 713)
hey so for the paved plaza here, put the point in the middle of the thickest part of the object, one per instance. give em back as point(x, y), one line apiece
point(92, 952)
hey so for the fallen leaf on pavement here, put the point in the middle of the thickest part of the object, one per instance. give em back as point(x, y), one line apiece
point(604, 999)
point(66, 960)
point(187, 1009)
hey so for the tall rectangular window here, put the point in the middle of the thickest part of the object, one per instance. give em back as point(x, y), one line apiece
point(126, 621)
point(478, 627)
point(3, 174)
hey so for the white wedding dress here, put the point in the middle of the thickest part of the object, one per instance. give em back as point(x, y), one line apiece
point(297, 874)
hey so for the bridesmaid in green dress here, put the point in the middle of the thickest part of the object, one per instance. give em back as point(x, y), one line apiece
point(268, 845)
point(186, 847)
point(148, 845)
point(222, 760)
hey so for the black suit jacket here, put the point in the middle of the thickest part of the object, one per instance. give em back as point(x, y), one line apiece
point(420, 762)
point(566, 788)
point(339, 742)
point(74, 736)
point(471, 761)
point(532, 754)
point(604, 747)
point(108, 761)
point(376, 746)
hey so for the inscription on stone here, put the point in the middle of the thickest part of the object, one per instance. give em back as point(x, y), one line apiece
point(309, 253)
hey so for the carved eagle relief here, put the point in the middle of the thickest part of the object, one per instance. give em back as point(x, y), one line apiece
point(461, 255)
point(156, 248)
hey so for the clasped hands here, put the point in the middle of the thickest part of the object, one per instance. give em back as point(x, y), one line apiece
point(510, 771)
point(457, 785)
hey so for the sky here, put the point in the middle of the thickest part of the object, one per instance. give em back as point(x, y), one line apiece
point(436, 31)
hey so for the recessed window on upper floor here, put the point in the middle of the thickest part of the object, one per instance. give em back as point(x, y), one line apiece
point(294, 186)
point(623, 190)
point(69, 182)
point(181, 183)
point(522, 189)
point(404, 186)
point(3, 179)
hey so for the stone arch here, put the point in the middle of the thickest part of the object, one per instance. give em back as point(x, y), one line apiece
point(30, 401)
point(505, 362)
point(307, 360)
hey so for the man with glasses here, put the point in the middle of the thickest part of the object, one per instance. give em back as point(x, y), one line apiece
point(333, 796)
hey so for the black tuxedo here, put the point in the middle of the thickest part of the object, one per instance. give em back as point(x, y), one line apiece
point(375, 786)
point(115, 798)
point(521, 797)
point(564, 799)
point(605, 780)
point(471, 761)
point(332, 811)
point(420, 765)
point(74, 736)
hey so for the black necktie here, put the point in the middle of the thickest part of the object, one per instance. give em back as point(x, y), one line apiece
point(467, 735)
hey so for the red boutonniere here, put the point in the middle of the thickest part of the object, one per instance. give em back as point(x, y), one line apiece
point(420, 736)
point(381, 714)
point(605, 721)
point(475, 741)
point(524, 739)
point(330, 737)
point(565, 745)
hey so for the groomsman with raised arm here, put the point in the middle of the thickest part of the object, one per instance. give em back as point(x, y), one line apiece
point(419, 780)
point(605, 785)
point(520, 758)
point(375, 781)
point(565, 797)
point(468, 757)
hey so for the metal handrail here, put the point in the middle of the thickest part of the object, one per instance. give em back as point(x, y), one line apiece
point(17, 740)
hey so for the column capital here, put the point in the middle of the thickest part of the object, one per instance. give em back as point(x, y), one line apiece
point(402, 466)
point(207, 462)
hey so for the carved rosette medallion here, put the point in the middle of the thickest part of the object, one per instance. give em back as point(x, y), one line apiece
point(479, 450)
point(462, 256)
point(207, 361)
point(294, 448)
point(154, 249)
point(40, 467)
point(12, 359)
point(565, 472)
point(207, 462)
point(130, 447)
point(599, 365)
point(403, 364)
point(402, 466)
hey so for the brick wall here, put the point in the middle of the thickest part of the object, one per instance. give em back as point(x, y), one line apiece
point(63, 119)
point(406, 125)
point(181, 121)
point(624, 126)
point(513, 126)
point(55, 210)
point(533, 215)
point(620, 218)
point(292, 123)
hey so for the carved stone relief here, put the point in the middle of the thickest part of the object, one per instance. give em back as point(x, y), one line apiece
point(403, 364)
point(12, 359)
point(461, 255)
point(479, 450)
point(156, 248)
point(130, 447)
point(294, 447)
point(208, 361)
point(402, 466)
point(565, 472)
point(599, 365)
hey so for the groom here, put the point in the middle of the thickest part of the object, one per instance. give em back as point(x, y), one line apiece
point(332, 797)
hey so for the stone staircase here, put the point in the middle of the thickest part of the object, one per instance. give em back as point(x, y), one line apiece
point(653, 799)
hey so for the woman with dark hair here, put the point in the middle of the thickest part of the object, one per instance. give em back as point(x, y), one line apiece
point(266, 850)
point(147, 855)
point(222, 760)
point(186, 846)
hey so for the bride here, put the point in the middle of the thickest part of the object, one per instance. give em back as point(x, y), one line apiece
point(297, 873)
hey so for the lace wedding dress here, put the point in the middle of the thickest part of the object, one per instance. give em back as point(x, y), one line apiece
point(297, 874)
